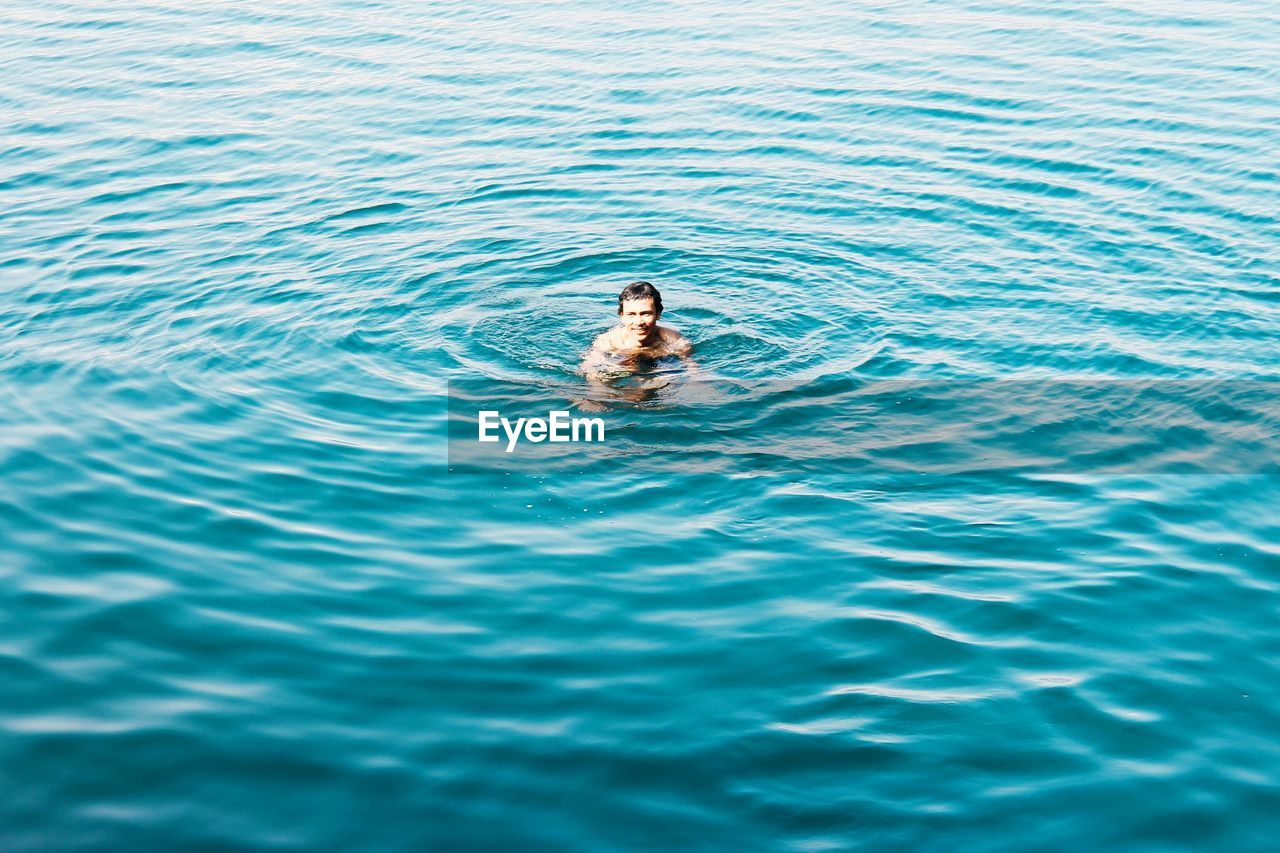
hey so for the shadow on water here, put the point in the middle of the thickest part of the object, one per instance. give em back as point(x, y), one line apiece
point(939, 427)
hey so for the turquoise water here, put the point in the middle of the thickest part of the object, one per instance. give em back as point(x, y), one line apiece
point(248, 247)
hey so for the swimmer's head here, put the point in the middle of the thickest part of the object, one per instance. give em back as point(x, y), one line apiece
point(639, 307)
point(639, 290)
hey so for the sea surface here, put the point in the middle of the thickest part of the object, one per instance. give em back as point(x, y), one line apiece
point(249, 601)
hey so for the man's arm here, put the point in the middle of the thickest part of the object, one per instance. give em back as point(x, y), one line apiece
point(596, 358)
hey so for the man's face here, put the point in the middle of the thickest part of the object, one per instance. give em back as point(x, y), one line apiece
point(639, 317)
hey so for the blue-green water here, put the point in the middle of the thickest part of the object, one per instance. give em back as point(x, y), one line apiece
point(246, 246)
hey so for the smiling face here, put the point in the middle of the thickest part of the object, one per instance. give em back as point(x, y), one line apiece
point(640, 319)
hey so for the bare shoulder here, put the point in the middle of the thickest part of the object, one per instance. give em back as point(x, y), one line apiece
point(604, 341)
point(675, 342)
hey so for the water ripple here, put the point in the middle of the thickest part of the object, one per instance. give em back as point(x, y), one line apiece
point(248, 250)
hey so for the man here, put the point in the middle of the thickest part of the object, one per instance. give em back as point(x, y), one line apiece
point(621, 362)
point(637, 335)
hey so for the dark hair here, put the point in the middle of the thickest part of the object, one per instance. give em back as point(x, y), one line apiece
point(640, 290)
